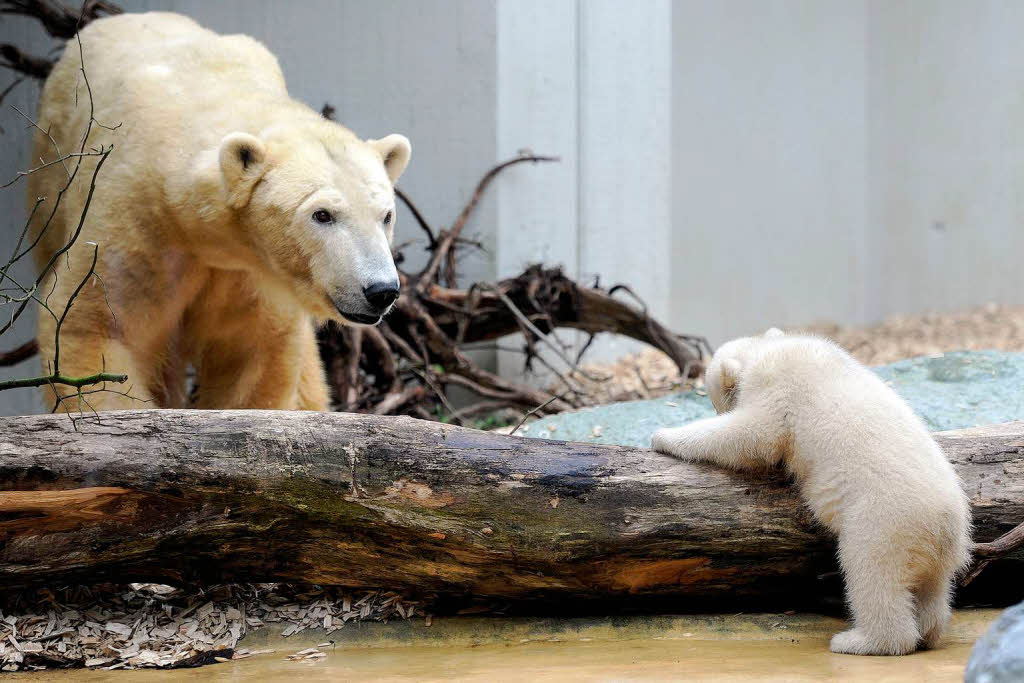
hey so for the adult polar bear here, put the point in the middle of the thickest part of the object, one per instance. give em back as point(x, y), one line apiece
point(228, 218)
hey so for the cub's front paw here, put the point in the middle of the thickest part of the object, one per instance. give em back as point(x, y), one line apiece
point(670, 440)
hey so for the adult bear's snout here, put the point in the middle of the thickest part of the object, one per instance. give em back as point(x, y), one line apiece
point(381, 295)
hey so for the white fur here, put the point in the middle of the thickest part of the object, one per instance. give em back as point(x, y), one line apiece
point(866, 466)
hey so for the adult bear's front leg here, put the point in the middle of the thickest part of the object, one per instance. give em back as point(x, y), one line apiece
point(313, 391)
point(255, 369)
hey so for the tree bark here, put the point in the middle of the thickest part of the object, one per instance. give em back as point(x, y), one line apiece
point(433, 510)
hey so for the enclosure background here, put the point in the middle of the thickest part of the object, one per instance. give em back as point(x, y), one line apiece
point(741, 164)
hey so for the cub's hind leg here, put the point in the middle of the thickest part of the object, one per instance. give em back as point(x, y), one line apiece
point(884, 614)
point(934, 610)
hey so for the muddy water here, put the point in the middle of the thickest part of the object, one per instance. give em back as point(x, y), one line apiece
point(696, 648)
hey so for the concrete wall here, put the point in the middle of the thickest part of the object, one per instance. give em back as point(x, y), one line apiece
point(945, 155)
point(839, 160)
point(573, 83)
point(769, 164)
point(741, 163)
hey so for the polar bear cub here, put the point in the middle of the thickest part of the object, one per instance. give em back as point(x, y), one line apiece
point(866, 466)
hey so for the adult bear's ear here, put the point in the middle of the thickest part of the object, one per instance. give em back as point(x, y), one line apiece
point(774, 333)
point(394, 151)
point(242, 162)
point(731, 370)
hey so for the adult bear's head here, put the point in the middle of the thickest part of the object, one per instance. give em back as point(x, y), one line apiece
point(317, 206)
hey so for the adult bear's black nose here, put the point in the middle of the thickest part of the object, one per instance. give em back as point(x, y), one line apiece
point(381, 295)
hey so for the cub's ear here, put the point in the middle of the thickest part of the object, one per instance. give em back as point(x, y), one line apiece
point(242, 160)
point(395, 151)
point(773, 333)
point(731, 370)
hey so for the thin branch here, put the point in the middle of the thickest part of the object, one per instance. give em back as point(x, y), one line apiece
point(541, 336)
point(987, 552)
point(67, 308)
point(419, 218)
point(536, 410)
point(23, 352)
point(29, 65)
point(448, 237)
point(21, 239)
point(63, 380)
point(74, 237)
point(59, 20)
point(7, 91)
point(425, 376)
point(484, 407)
point(461, 221)
point(61, 160)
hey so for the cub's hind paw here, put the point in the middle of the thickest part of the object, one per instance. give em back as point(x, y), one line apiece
point(857, 642)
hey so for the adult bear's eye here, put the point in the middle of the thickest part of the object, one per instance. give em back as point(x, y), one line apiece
point(323, 216)
point(387, 218)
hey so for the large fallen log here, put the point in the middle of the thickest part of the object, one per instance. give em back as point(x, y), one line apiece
point(431, 509)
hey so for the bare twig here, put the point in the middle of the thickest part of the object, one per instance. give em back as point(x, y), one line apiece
point(483, 407)
point(61, 160)
point(1004, 545)
point(16, 355)
point(59, 20)
point(425, 376)
point(29, 65)
point(528, 324)
point(447, 238)
point(536, 410)
point(7, 91)
point(432, 240)
point(68, 244)
point(46, 380)
point(984, 553)
point(50, 13)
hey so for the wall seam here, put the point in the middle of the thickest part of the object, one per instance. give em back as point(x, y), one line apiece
point(579, 141)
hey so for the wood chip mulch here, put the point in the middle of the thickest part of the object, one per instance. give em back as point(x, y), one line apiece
point(651, 374)
point(156, 626)
point(992, 326)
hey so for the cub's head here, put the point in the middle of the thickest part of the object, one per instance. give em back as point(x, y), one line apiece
point(726, 369)
point(317, 207)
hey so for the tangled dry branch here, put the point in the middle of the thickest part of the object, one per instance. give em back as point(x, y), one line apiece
point(410, 361)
